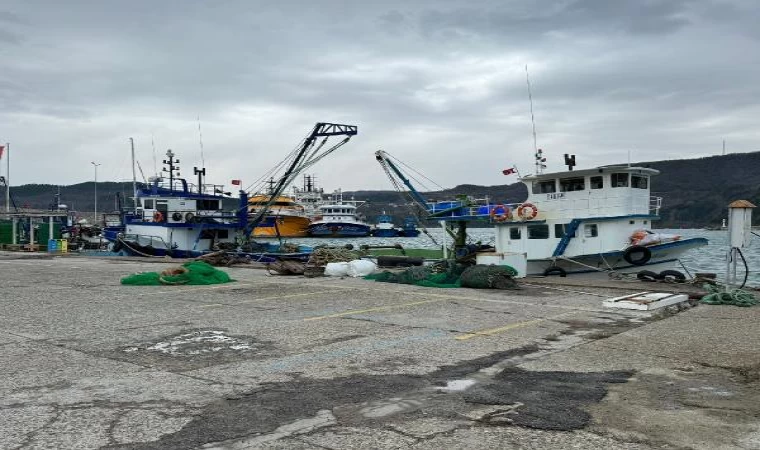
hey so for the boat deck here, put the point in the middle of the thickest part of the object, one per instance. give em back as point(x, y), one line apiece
point(297, 363)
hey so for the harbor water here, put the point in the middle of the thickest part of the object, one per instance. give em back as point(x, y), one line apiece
point(710, 259)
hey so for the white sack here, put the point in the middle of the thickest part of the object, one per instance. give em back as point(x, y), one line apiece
point(338, 269)
point(360, 268)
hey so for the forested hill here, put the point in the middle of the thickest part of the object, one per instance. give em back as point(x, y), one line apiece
point(695, 191)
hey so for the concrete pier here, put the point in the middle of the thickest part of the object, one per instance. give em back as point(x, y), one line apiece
point(294, 363)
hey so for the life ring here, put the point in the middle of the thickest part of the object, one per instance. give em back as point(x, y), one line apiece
point(506, 213)
point(533, 211)
point(158, 216)
point(177, 216)
point(189, 217)
point(637, 255)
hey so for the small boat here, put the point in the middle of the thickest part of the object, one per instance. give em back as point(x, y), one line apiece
point(384, 227)
point(338, 218)
point(409, 228)
point(286, 218)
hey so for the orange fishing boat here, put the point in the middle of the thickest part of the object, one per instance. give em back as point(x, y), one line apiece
point(285, 217)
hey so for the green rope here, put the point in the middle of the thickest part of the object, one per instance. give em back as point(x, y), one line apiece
point(736, 297)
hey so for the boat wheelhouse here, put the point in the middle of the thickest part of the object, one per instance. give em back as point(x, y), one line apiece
point(584, 220)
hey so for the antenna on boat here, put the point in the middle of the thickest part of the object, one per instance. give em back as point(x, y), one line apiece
point(200, 140)
point(134, 175)
point(540, 160)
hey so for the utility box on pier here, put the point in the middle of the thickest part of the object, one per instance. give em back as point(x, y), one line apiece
point(740, 223)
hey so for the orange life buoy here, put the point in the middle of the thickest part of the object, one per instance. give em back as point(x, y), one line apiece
point(502, 216)
point(158, 216)
point(531, 215)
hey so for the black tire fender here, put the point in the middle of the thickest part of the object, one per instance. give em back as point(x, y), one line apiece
point(637, 255)
point(673, 276)
point(177, 217)
point(648, 275)
point(555, 270)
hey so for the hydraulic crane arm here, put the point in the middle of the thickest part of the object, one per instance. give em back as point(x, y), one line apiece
point(396, 175)
point(306, 155)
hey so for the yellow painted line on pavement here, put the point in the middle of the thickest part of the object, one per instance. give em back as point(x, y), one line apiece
point(211, 305)
point(513, 326)
point(181, 291)
point(379, 308)
point(278, 297)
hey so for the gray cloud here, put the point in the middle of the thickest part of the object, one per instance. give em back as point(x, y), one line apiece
point(440, 84)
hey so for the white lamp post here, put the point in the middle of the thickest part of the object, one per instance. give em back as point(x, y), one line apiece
point(96, 189)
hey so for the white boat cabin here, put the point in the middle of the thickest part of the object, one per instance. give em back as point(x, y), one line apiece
point(583, 212)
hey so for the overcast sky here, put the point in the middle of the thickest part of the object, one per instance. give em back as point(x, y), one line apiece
point(438, 84)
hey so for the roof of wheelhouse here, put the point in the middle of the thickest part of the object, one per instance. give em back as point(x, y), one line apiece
point(594, 171)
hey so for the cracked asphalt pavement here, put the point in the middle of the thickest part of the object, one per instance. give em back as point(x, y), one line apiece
point(272, 362)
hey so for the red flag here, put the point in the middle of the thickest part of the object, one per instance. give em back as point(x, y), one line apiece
point(236, 182)
point(2, 149)
point(509, 171)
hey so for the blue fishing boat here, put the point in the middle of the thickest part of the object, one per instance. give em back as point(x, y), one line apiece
point(385, 227)
point(409, 228)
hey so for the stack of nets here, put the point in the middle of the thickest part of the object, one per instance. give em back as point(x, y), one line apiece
point(447, 274)
point(320, 256)
point(736, 297)
point(191, 273)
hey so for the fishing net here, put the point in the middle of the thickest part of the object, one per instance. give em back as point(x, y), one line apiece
point(191, 273)
point(447, 274)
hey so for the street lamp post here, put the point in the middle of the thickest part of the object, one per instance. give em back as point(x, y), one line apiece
point(96, 189)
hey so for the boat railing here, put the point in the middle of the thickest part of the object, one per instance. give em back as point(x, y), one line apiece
point(655, 203)
point(175, 216)
point(209, 189)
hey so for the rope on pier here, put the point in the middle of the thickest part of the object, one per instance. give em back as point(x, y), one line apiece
point(736, 297)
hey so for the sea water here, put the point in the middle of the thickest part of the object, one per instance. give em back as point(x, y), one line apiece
point(711, 259)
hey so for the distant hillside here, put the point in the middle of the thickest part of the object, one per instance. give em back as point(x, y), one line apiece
point(696, 191)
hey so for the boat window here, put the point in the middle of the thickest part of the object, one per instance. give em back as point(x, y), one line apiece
point(207, 205)
point(148, 203)
point(514, 233)
point(222, 234)
point(572, 184)
point(538, 231)
point(544, 187)
point(560, 230)
point(619, 180)
point(639, 182)
point(590, 230)
point(596, 182)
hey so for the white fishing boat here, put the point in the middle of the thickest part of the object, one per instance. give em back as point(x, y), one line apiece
point(587, 220)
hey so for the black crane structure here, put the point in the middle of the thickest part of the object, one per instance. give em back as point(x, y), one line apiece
point(311, 150)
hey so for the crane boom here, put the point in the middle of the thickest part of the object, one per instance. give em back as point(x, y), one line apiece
point(305, 156)
point(389, 166)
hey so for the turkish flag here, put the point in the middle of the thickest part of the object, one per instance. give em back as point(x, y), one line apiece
point(236, 182)
point(509, 171)
point(2, 149)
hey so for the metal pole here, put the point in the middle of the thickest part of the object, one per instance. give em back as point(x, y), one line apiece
point(96, 189)
point(134, 175)
point(8, 177)
point(14, 229)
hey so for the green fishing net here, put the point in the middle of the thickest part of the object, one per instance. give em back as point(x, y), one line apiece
point(447, 274)
point(192, 273)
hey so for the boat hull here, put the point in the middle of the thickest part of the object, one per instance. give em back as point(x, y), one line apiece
point(338, 229)
point(288, 226)
point(131, 248)
point(664, 256)
point(388, 232)
point(409, 233)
